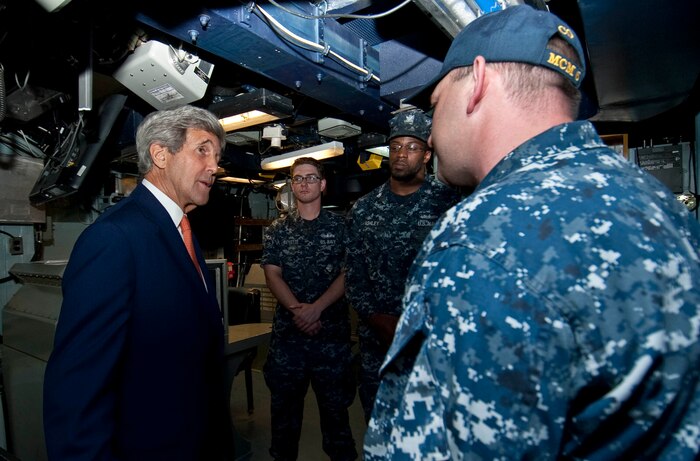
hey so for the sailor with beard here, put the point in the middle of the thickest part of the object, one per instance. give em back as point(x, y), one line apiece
point(387, 227)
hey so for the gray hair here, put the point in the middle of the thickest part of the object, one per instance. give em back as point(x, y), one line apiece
point(169, 129)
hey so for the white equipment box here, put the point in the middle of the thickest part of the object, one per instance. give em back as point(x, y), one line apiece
point(164, 76)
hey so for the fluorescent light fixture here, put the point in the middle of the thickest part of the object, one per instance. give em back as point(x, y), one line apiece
point(379, 150)
point(246, 119)
point(234, 179)
point(320, 152)
point(249, 109)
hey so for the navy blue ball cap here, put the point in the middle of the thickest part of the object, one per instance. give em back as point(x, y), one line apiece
point(414, 123)
point(516, 34)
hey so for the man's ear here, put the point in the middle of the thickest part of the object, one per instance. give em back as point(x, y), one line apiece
point(479, 88)
point(323, 185)
point(159, 155)
point(426, 155)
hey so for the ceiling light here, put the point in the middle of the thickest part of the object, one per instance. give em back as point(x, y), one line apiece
point(320, 152)
point(337, 129)
point(249, 109)
point(234, 179)
point(246, 119)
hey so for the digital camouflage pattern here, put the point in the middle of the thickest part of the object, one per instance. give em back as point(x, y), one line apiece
point(414, 123)
point(385, 232)
point(311, 255)
point(287, 374)
point(554, 314)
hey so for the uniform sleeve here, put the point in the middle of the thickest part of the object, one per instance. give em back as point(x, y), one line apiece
point(270, 251)
point(487, 382)
point(80, 399)
point(357, 280)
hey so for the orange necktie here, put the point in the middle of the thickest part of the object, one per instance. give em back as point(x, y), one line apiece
point(187, 236)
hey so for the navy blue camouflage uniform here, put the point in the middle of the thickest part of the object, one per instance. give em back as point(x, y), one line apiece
point(554, 314)
point(386, 232)
point(310, 254)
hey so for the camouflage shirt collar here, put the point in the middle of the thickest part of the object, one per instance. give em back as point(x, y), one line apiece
point(576, 135)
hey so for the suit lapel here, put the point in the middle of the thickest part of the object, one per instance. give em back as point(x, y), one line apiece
point(170, 234)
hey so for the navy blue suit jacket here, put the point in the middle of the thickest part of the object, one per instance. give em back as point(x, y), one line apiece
point(136, 372)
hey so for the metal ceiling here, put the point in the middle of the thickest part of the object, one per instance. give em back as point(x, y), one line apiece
point(355, 63)
point(245, 36)
point(644, 55)
point(348, 70)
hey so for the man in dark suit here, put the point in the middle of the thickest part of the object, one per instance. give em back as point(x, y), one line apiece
point(136, 371)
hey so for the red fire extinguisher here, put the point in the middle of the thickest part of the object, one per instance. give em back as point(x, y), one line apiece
point(229, 264)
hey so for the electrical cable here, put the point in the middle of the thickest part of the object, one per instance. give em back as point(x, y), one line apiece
point(313, 46)
point(22, 86)
point(342, 15)
point(29, 146)
point(12, 143)
point(8, 234)
point(68, 145)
